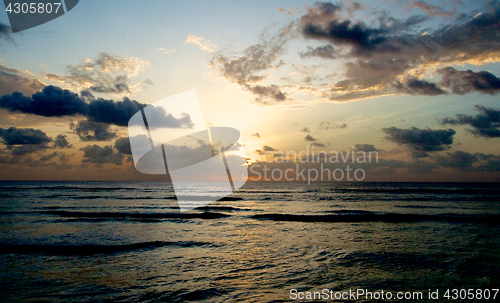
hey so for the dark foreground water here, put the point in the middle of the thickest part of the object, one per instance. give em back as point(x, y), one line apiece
point(128, 242)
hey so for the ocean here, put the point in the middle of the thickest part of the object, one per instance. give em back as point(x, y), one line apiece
point(268, 242)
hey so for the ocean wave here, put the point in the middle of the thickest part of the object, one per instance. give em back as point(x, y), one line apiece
point(90, 249)
point(78, 214)
point(460, 191)
point(421, 206)
point(79, 188)
point(357, 217)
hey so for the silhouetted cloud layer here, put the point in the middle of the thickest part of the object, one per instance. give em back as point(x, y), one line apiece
point(463, 82)
point(101, 155)
point(485, 124)
point(420, 141)
point(53, 101)
point(15, 136)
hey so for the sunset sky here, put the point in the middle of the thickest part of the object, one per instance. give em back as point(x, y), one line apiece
point(416, 81)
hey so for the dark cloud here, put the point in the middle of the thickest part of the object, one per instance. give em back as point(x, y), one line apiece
point(92, 131)
point(458, 160)
point(19, 150)
point(328, 125)
point(490, 163)
point(310, 138)
point(50, 102)
point(264, 150)
point(382, 56)
point(463, 82)
point(48, 157)
point(123, 146)
point(101, 155)
point(256, 135)
point(358, 35)
point(22, 141)
point(365, 148)
point(485, 124)
point(113, 112)
point(415, 86)
point(6, 32)
point(53, 101)
point(391, 50)
point(61, 142)
point(272, 92)
point(318, 144)
point(325, 52)
point(305, 130)
point(420, 141)
point(21, 136)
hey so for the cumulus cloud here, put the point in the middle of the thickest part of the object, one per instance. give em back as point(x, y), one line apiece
point(458, 160)
point(310, 138)
point(485, 124)
point(50, 102)
point(318, 144)
point(203, 43)
point(384, 56)
point(61, 142)
point(107, 74)
point(326, 52)
point(420, 141)
point(12, 79)
point(55, 102)
point(415, 86)
point(463, 82)
point(19, 136)
point(246, 70)
point(101, 155)
point(123, 146)
point(22, 141)
point(92, 131)
point(264, 150)
point(305, 130)
point(365, 148)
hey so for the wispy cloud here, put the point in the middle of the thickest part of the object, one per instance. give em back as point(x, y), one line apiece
point(388, 55)
point(107, 74)
point(203, 43)
point(165, 50)
point(6, 32)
